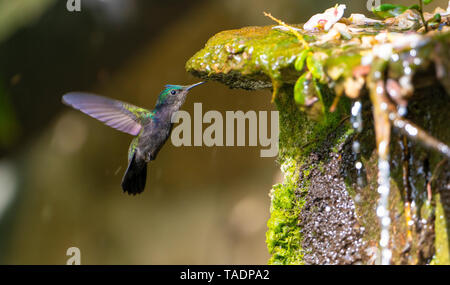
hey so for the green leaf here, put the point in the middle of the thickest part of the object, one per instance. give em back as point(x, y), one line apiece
point(338, 66)
point(435, 21)
point(308, 97)
point(301, 89)
point(389, 10)
point(387, 7)
point(315, 66)
point(300, 61)
point(436, 18)
point(426, 2)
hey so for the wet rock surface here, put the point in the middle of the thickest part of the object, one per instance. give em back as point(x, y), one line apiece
point(328, 221)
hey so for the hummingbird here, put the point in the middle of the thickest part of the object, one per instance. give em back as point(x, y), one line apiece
point(150, 128)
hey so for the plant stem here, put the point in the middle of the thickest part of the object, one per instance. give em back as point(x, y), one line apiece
point(295, 32)
point(421, 15)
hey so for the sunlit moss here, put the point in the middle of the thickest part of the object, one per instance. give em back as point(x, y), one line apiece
point(442, 255)
point(283, 237)
point(261, 53)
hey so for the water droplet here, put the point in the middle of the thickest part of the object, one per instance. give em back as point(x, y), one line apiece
point(381, 211)
point(367, 59)
point(399, 124)
point(386, 255)
point(360, 180)
point(356, 146)
point(386, 221)
point(382, 189)
point(384, 241)
point(356, 120)
point(377, 74)
point(356, 108)
point(407, 70)
point(381, 150)
point(412, 131)
point(380, 90)
point(395, 57)
point(443, 148)
point(402, 111)
point(417, 61)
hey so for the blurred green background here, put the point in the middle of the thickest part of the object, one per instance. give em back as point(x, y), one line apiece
point(60, 171)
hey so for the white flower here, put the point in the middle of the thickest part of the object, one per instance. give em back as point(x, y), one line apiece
point(360, 19)
point(339, 30)
point(325, 20)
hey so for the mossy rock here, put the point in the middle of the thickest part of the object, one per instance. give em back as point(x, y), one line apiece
point(325, 211)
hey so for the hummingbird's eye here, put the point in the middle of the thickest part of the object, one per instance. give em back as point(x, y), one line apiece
point(173, 92)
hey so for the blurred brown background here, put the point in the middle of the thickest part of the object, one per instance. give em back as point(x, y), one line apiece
point(60, 171)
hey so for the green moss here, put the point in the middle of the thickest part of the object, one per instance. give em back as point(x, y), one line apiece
point(261, 53)
point(342, 138)
point(300, 133)
point(283, 237)
point(442, 230)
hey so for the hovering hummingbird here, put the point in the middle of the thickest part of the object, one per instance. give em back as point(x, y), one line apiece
point(150, 128)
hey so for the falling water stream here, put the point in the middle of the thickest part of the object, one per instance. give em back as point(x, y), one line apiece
point(383, 183)
point(383, 210)
point(356, 121)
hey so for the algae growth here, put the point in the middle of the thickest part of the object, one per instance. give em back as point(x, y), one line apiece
point(283, 237)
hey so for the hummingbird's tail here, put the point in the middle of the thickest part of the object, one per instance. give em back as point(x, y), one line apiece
point(133, 181)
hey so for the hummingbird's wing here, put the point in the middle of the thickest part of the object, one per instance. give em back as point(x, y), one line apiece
point(116, 114)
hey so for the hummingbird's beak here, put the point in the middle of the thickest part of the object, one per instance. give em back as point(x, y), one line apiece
point(193, 85)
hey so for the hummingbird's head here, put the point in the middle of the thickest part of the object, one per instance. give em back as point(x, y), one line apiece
point(174, 95)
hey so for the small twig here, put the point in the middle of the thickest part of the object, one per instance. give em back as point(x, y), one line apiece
point(377, 94)
point(276, 87)
point(416, 133)
point(435, 175)
point(295, 32)
point(335, 103)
